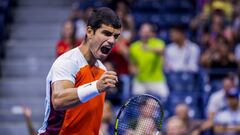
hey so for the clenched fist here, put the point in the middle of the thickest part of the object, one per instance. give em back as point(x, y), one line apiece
point(107, 80)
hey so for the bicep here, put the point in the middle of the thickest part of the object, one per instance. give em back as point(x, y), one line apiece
point(58, 86)
point(64, 95)
point(59, 89)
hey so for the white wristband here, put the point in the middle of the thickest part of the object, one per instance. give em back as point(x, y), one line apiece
point(87, 91)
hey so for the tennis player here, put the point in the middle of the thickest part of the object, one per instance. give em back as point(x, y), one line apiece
point(77, 80)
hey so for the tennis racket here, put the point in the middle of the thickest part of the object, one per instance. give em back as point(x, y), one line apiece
point(140, 115)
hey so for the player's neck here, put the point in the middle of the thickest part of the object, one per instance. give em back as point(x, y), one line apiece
point(87, 54)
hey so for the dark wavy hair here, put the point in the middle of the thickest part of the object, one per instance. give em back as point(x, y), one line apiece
point(103, 15)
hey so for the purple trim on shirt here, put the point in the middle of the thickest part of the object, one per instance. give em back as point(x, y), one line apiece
point(55, 120)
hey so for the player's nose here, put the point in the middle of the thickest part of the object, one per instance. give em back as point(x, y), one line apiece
point(111, 40)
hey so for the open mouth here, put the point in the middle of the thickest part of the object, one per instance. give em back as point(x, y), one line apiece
point(105, 49)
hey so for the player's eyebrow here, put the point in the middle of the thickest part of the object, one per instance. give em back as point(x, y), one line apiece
point(107, 33)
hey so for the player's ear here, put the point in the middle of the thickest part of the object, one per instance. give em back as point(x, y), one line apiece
point(89, 32)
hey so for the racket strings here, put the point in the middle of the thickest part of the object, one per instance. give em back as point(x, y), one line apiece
point(141, 116)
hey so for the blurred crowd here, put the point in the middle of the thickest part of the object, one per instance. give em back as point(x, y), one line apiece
point(191, 66)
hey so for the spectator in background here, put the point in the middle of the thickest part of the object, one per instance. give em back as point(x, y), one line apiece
point(68, 39)
point(182, 54)
point(236, 21)
point(219, 58)
point(107, 127)
point(217, 23)
point(229, 35)
point(204, 39)
point(27, 113)
point(224, 5)
point(199, 20)
point(124, 13)
point(208, 27)
point(146, 57)
point(198, 25)
point(181, 111)
point(227, 121)
point(217, 101)
point(236, 28)
point(176, 126)
point(79, 17)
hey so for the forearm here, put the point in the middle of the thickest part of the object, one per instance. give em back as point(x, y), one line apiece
point(65, 96)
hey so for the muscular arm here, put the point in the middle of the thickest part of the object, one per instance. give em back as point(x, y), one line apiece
point(64, 95)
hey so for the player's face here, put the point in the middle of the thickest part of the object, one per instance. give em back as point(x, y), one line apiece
point(102, 41)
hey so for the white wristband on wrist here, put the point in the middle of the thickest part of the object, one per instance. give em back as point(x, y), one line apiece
point(87, 91)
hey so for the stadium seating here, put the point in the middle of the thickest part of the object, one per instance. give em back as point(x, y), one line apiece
point(184, 81)
point(30, 51)
point(2, 22)
point(163, 13)
point(192, 99)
